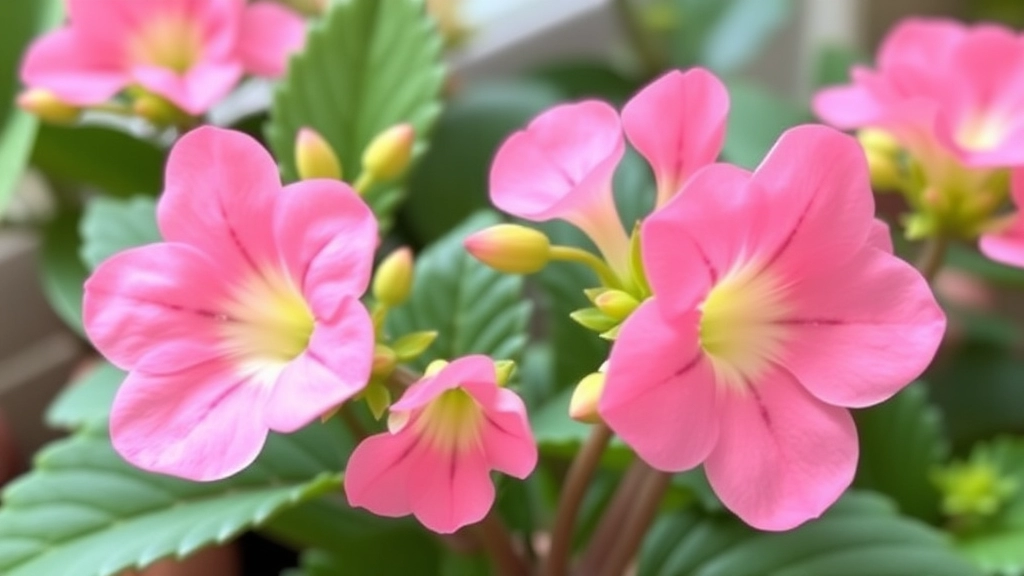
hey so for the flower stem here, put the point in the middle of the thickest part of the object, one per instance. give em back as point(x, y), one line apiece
point(608, 530)
point(497, 542)
point(576, 482)
point(579, 255)
point(932, 256)
point(645, 506)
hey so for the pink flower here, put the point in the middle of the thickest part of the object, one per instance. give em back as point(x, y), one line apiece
point(191, 52)
point(246, 319)
point(944, 90)
point(447, 432)
point(777, 304)
point(1006, 244)
point(561, 166)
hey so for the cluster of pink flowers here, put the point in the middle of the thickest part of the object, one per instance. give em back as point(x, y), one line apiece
point(953, 97)
point(190, 53)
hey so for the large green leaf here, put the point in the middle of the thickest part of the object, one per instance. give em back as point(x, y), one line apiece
point(901, 443)
point(111, 225)
point(62, 271)
point(474, 308)
point(83, 511)
point(21, 21)
point(997, 544)
point(367, 65)
point(86, 401)
point(862, 535)
point(113, 161)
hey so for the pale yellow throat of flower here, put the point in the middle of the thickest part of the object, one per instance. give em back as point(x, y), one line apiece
point(982, 131)
point(171, 41)
point(740, 329)
point(451, 422)
point(268, 320)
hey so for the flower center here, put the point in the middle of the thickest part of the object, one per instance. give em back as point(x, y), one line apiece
point(739, 326)
point(451, 422)
point(981, 132)
point(270, 322)
point(170, 41)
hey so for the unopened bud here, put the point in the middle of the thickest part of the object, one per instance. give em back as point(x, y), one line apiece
point(389, 154)
point(384, 361)
point(378, 398)
point(616, 304)
point(393, 281)
point(157, 110)
point(882, 151)
point(45, 105)
point(510, 248)
point(435, 367)
point(503, 371)
point(410, 346)
point(314, 157)
point(594, 319)
point(583, 405)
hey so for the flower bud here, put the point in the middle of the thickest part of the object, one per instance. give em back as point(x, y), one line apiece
point(594, 319)
point(510, 248)
point(974, 488)
point(389, 154)
point(583, 405)
point(384, 361)
point(435, 367)
point(393, 281)
point(378, 398)
point(314, 157)
point(503, 371)
point(882, 151)
point(410, 346)
point(157, 110)
point(46, 106)
point(616, 304)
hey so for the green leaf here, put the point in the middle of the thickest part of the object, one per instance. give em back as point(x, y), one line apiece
point(862, 535)
point(832, 64)
point(21, 22)
point(725, 35)
point(756, 119)
point(108, 159)
point(111, 225)
point(62, 271)
point(367, 66)
point(475, 309)
point(84, 511)
point(901, 443)
point(86, 402)
point(998, 546)
point(450, 183)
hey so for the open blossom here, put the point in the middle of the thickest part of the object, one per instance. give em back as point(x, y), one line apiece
point(561, 166)
point(777, 305)
point(1006, 244)
point(246, 319)
point(446, 434)
point(191, 52)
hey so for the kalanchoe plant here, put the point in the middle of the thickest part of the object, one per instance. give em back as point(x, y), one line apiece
point(284, 351)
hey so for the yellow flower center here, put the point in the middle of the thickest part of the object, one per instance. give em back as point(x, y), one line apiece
point(451, 422)
point(982, 132)
point(269, 322)
point(739, 327)
point(170, 41)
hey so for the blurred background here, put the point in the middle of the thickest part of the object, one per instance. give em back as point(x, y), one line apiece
point(509, 59)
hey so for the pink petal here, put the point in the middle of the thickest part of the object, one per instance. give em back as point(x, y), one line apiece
point(222, 188)
point(202, 423)
point(782, 457)
point(451, 490)
point(72, 69)
point(149, 296)
point(1006, 246)
point(506, 436)
point(327, 236)
point(561, 164)
point(850, 347)
point(818, 189)
point(334, 367)
point(920, 42)
point(695, 239)
point(377, 476)
point(879, 236)
point(847, 107)
point(475, 368)
point(196, 91)
point(269, 34)
point(678, 124)
point(660, 395)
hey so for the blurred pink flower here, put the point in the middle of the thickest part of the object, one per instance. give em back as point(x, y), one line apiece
point(246, 319)
point(447, 433)
point(777, 304)
point(191, 52)
point(561, 166)
point(943, 89)
point(1006, 243)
